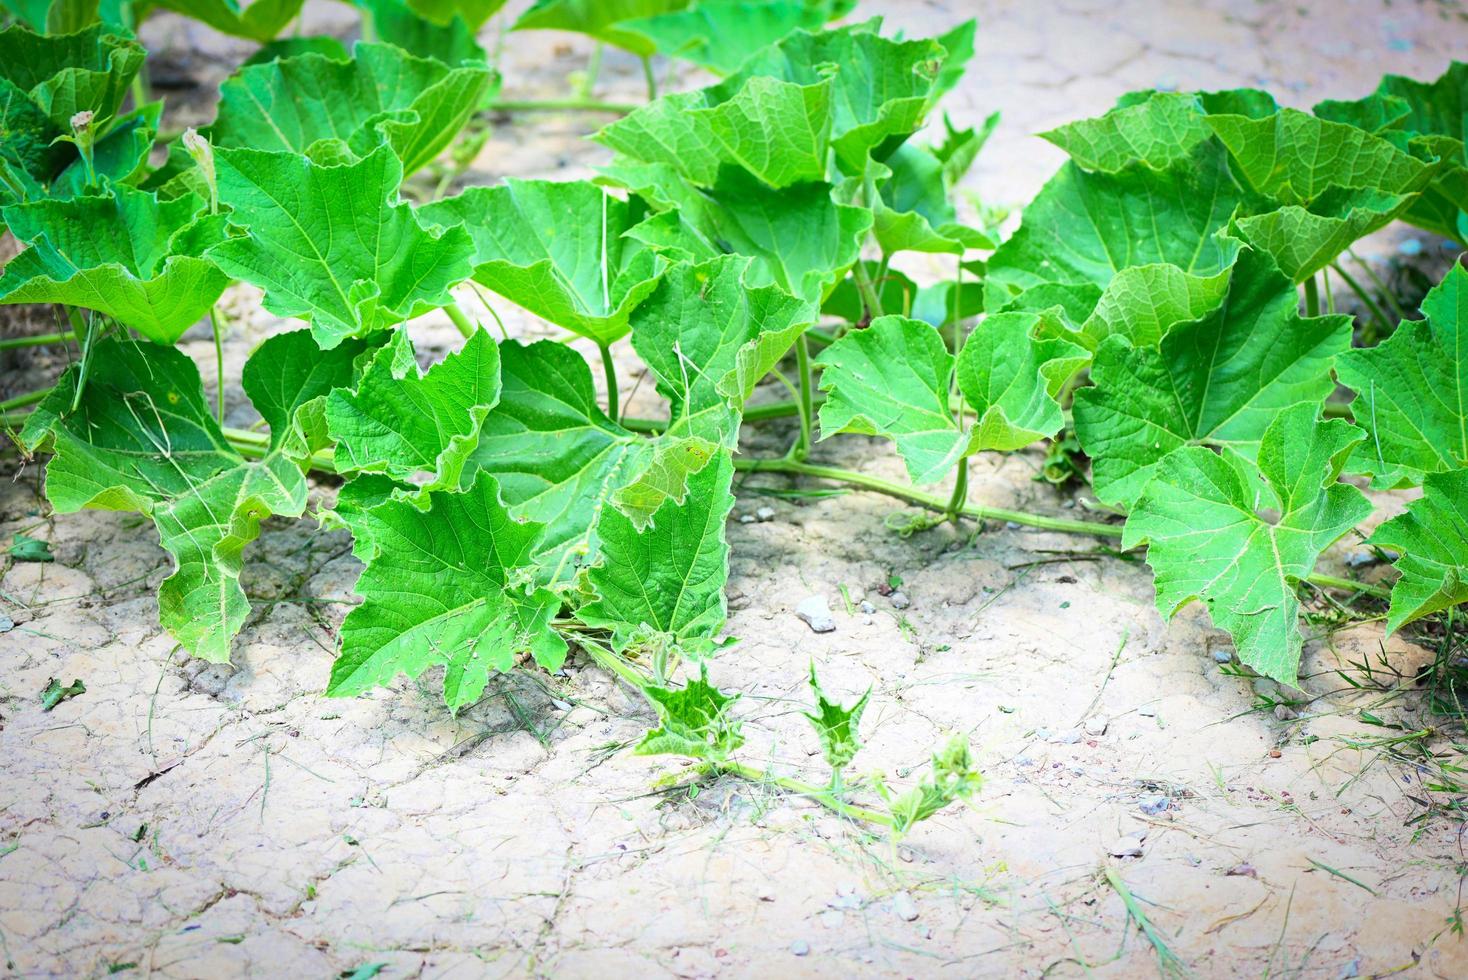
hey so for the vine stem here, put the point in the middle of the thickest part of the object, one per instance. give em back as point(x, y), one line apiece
point(805, 407)
point(819, 794)
point(652, 79)
point(21, 401)
point(1312, 297)
point(1386, 293)
point(960, 491)
point(218, 360)
point(38, 340)
point(609, 369)
point(1348, 585)
point(562, 105)
point(1361, 294)
point(466, 327)
point(868, 292)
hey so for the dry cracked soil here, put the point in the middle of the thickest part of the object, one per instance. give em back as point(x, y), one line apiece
point(181, 819)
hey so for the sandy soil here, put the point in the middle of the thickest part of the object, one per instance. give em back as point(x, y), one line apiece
point(182, 819)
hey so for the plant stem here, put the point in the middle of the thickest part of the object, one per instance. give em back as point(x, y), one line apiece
point(806, 411)
point(218, 360)
point(593, 69)
point(466, 328)
point(1312, 297)
point(869, 296)
point(84, 335)
point(931, 501)
point(21, 401)
point(1348, 585)
point(1386, 293)
point(819, 794)
point(652, 80)
point(256, 445)
point(562, 105)
point(12, 343)
point(1361, 294)
point(960, 491)
point(609, 369)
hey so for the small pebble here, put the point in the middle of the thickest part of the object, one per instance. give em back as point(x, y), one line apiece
point(6, 623)
point(904, 907)
point(899, 600)
point(832, 919)
point(800, 947)
point(1154, 806)
point(905, 855)
point(746, 518)
point(1412, 246)
point(1275, 753)
point(1351, 969)
point(561, 705)
point(1126, 847)
point(1011, 525)
point(816, 613)
point(1096, 725)
point(1147, 711)
point(765, 514)
point(1245, 870)
point(1284, 712)
point(1068, 738)
point(845, 902)
point(867, 607)
point(1361, 558)
point(1223, 656)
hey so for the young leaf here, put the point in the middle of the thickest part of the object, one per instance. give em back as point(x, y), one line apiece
point(894, 379)
point(64, 74)
point(144, 438)
point(399, 423)
point(1433, 539)
point(359, 262)
point(693, 721)
point(1143, 302)
point(23, 547)
point(668, 579)
point(53, 693)
point(557, 249)
point(709, 337)
point(288, 379)
point(1217, 380)
point(912, 209)
point(418, 105)
point(124, 254)
point(256, 20)
point(720, 34)
point(953, 777)
point(438, 589)
point(1412, 391)
point(838, 727)
point(1240, 537)
point(1085, 227)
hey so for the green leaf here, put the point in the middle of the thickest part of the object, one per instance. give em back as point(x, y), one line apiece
point(668, 579)
point(1412, 391)
point(837, 727)
point(954, 776)
point(294, 47)
point(257, 20)
point(472, 12)
point(601, 19)
point(1143, 302)
point(125, 254)
point(1241, 537)
point(401, 423)
point(1085, 227)
point(693, 721)
point(557, 249)
point(912, 209)
point(53, 693)
point(1433, 538)
point(449, 40)
point(120, 157)
point(803, 241)
point(23, 547)
point(288, 379)
point(64, 74)
point(417, 105)
point(720, 34)
point(143, 438)
point(895, 377)
point(709, 338)
point(439, 589)
point(1215, 381)
point(360, 262)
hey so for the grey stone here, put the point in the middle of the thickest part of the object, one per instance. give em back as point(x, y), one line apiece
point(765, 514)
point(800, 947)
point(1154, 806)
point(1071, 737)
point(899, 600)
point(746, 518)
point(1284, 712)
point(1223, 656)
point(867, 607)
point(1126, 847)
point(816, 613)
point(1096, 725)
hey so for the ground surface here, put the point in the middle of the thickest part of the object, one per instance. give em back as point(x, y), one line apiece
point(193, 820)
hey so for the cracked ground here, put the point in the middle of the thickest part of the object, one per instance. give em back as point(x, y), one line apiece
point(181, 819)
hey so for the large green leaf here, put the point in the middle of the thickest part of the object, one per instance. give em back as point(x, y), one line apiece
point(440, 589)
point(1241, 537)
point(1433, 539)
point(721, 34)
point(801, 239)
point(1216, 381)
point(1412, 391)
point(398, 22)
point(710, 338)
point(472, 12)
point(1143, 302)
point(416, 104)
point(669, 579)
point(124, 254)
point(557, 249)
point(64, 74)
point(257, 20)
point(1427, 118)
point(601, 19)
point(895, 379)
point(142, 438)
point(399, 423)
point(359, 262)
point(1085, 227)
